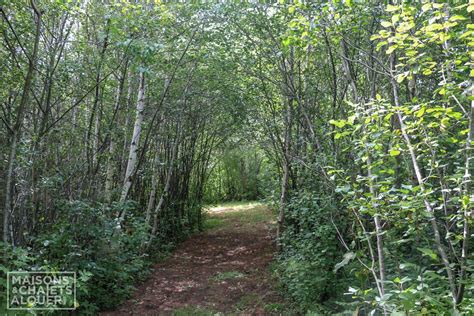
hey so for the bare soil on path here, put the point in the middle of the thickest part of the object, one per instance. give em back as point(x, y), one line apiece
point(223, 271)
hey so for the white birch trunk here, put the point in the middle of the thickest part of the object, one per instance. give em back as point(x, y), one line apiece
point(133, 152)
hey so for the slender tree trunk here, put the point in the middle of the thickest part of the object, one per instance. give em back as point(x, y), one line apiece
point(95, 142)
point(94, 117)
point(378, 228)
point(417, 171)
point(286, 152)
point(16, 131)
point(133, 153)
point(379, 231)
point(154, 185)
point(283, 199)
point(123, 161)
point(109, 181)
point(164, 194)
point(377, 221)
point(467, 194)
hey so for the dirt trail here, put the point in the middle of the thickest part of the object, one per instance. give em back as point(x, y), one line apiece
point(224, 270)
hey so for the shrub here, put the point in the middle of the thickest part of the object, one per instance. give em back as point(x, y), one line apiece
point(310, 250)
point(85, 238)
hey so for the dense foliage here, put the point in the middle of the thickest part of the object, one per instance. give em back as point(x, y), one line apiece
point(83, 239)
point(110, 114)
point(367, 113)
point(355, 118)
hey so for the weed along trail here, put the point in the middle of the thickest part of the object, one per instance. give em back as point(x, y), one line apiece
point(224, 270)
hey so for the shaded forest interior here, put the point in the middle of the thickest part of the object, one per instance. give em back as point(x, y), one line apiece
point(353, 120)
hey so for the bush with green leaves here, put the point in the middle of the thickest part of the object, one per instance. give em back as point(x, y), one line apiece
point(86, 238)
point(12, 259)
point(310, 251)
point(16, 259)
point(416, 276)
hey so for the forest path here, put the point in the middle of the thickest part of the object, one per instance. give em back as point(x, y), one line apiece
point(222, 271)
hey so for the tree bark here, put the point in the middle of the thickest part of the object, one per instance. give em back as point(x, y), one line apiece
point(288, 93)
point(420, 181)
point(133, 152)
point(109, 181)
point(154, 185)
point(16, 131)
point(377, 221)
point(165, 190)
point(467, 193)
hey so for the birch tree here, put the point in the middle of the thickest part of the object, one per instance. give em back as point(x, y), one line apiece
point(133, 149)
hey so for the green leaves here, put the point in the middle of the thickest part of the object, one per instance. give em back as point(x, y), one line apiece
point(399, 77)
point(420, 112)
point(426, 7)
point(433, 27)
point(430, 44)
point(394, 152)
point(338, 123)
point(386, 24)
point(392, 8)
point(390, 50)
point(428, 252)
point(470, 8)
point(341, 135)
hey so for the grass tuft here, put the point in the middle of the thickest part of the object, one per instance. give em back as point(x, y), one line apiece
point(221, 276)
point(195, 311)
